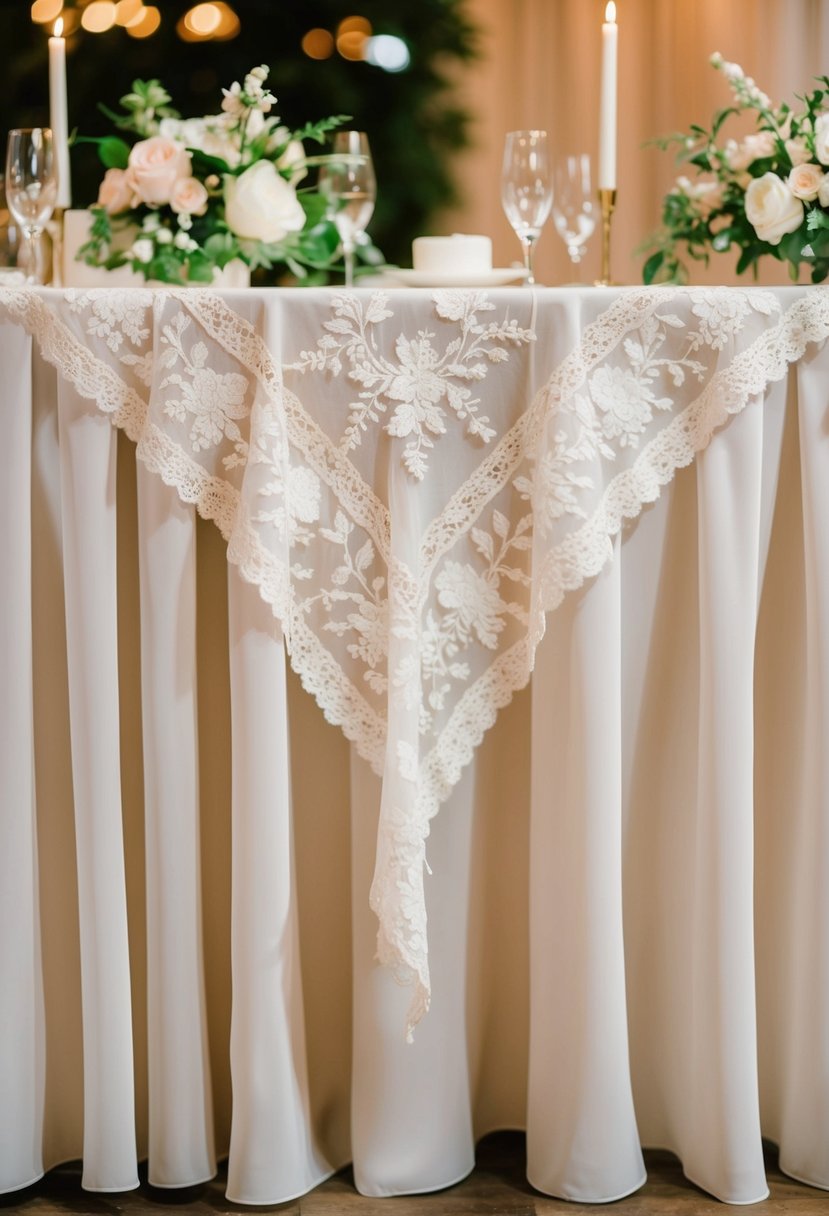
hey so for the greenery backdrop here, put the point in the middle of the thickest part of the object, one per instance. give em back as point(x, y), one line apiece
point(415, 127)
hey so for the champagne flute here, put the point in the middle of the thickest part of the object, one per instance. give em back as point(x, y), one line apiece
point(573, 209)
point(348, 182)
point(527, 188)
point(31, 190)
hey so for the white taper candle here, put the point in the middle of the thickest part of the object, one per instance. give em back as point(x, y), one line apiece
point(59, 113)
point(607, 119)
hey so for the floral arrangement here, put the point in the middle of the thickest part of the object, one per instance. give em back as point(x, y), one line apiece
point(188, 196)
point(766, 194)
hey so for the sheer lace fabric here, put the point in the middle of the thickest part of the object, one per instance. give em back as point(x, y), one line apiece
point(412, 481)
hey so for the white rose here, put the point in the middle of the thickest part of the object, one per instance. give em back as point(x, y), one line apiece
point(822, 138)
point(823, 192)
point(261, 205)
point(155, 165)
point(772, 209)
point(805, 181)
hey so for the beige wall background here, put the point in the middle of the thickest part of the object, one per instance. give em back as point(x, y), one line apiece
point(540, 67)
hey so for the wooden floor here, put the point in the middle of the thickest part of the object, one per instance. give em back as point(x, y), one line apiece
point(496, 1188)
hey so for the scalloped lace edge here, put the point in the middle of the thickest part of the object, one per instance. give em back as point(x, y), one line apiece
point(566, 567)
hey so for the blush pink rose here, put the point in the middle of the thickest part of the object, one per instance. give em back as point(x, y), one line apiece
point(189, 196)
point(805, 181)
point(115, 193)
point(155, 165)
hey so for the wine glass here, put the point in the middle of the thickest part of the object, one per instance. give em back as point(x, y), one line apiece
point(527, 188)
point(573, 209)
point(31, 190)
point(348, 182)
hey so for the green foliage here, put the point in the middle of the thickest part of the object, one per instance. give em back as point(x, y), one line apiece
point(112, 151)
point(709, 213)
point(415, 124)
point(164, 242)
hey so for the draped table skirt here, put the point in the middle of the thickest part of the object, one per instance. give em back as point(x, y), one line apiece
point(628, 931)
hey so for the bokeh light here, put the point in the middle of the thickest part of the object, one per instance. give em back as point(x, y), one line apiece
point(216, 22)
point(318, 44)
point(230, 24)
point(203, 20)
point(352, 44)
point(145, 23)
point(354, 25)
point(99, 16)
point(44, 11)
point(388, 52)
point(127, 10)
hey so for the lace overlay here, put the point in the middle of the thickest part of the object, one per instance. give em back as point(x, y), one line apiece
point(413, 481)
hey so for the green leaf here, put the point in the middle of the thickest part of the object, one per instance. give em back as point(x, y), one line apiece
point(318, 130)
point(200, 267)
point(315, 206)
point(114, 152)
point(791, 246)
point(653, 266)
point(221, 248)
point(746, 258)
point(206, 164)
point(719, 119)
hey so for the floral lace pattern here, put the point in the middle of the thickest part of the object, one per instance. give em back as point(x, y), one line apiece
point(413, 481)
point(420, 381)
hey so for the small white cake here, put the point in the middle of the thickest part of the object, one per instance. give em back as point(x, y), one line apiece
point(455, 254)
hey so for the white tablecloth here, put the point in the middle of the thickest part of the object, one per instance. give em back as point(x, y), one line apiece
point(408, 482)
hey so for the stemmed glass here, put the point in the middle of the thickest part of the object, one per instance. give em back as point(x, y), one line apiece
point(527, 188)
point(573, 208)
point(31, 190)
point(348, 181)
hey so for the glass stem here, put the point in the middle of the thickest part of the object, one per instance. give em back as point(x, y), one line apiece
point(527, 246)
point(348, 259)
point(34, 269)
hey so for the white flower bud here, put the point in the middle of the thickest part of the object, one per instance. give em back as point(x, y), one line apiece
point(142, 250)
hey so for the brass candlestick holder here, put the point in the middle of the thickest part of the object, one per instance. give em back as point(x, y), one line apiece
point(55, 230)
point(607, 202)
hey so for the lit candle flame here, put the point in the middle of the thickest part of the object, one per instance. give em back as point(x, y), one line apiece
point(610, 12)
point(58, 30)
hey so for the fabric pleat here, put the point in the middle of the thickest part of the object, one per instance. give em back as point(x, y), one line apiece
point(627, 889)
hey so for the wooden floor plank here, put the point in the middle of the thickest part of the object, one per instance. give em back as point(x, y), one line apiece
point(497, 1187)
